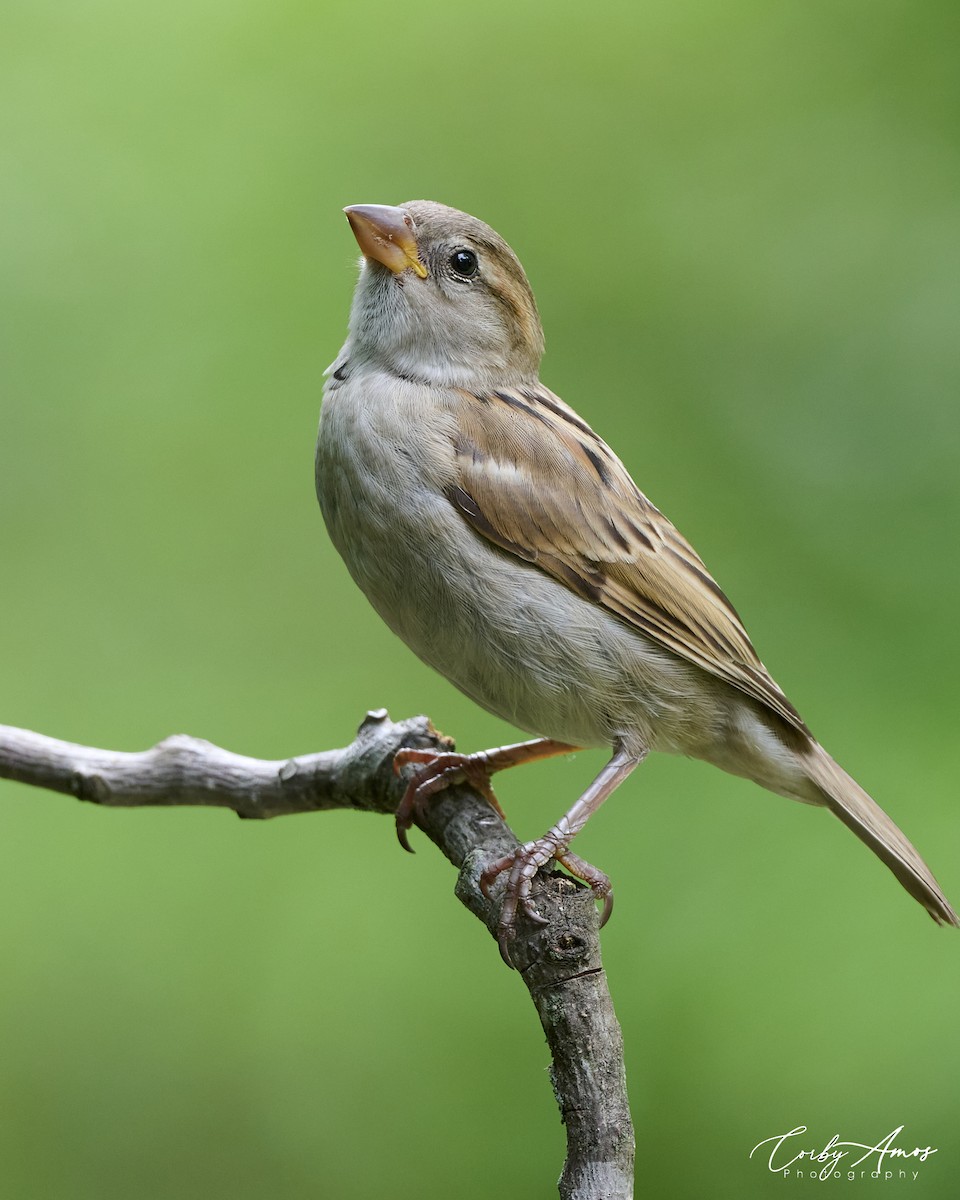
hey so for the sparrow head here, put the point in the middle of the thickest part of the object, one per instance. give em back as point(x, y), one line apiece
point(441, 298)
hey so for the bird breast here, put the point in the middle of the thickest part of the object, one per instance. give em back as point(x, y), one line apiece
point(508, 635)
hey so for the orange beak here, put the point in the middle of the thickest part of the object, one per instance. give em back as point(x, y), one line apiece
point(387, 236)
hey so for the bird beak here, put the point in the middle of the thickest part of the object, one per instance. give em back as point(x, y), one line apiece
point(387, 236)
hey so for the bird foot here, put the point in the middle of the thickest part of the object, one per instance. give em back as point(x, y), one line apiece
point(522, 865)
point(438, 771)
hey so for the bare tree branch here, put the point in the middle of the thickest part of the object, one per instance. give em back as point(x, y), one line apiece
point(559, 963)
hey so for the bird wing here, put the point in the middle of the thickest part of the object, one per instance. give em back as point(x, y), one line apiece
point(534, 479)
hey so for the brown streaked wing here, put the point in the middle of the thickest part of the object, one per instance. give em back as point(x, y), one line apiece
point(534, 479)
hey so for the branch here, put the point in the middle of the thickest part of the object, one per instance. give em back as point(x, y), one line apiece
point(559, 963)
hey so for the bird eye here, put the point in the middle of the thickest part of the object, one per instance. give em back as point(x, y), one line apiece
point(464, 262)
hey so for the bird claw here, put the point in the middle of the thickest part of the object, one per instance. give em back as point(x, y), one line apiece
point(522, 866)
point(596, 880)
point(438, 771)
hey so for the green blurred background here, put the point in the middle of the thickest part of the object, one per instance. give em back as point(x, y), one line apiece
point(740, 221)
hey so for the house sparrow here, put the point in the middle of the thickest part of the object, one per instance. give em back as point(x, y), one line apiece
point(507, 545)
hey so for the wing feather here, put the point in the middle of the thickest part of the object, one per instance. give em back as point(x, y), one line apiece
point(548, 490)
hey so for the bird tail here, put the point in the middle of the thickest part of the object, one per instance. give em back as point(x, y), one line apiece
point(848, 801)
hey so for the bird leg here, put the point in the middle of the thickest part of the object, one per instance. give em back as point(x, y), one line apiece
point(524, 862)
point(440, 771)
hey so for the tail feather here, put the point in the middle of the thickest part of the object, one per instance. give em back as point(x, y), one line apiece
point(848, 801)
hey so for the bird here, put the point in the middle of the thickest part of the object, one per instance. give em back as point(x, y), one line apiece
point(504, 541)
